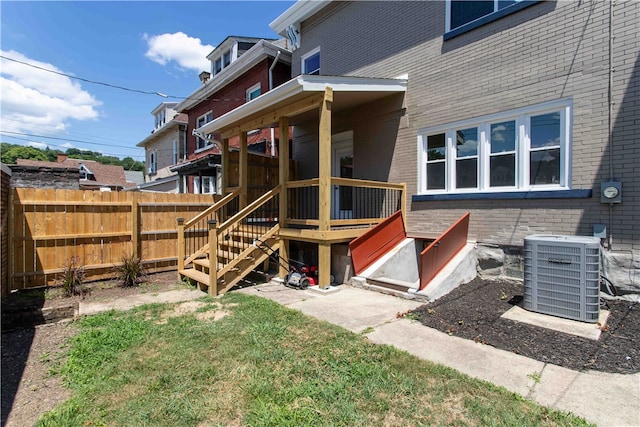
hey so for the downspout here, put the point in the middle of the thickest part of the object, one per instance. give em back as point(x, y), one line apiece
point(610, 119)
point(273, 65)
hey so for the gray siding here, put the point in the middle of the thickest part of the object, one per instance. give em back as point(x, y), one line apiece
point(548, 51)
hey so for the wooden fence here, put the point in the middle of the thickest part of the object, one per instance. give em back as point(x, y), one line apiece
point(49, 227)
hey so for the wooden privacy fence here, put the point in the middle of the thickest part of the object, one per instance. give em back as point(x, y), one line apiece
point(49, 227)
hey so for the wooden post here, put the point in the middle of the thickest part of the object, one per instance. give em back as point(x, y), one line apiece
point(283, 171)
point(180, 222)
point(324, 265)
point(213, 257)
point(324, 190)
point(11, 242)
point(225, 165)
point(243, 169)
point(135, 226)
point(324, 160)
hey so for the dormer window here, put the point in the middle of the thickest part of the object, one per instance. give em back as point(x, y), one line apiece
point(217, 66)
point(85, 173)
point(226, 58)
point(161, 119)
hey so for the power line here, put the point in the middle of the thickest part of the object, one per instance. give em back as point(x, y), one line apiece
point(145, 92)
point(65, 139)
point(63, 147)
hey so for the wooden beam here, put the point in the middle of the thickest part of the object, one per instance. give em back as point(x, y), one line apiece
point(316, 236)
point(324, 265)
point(225, 165)
point(213, 258)
point(324, 160)
point(135, 227)
point(270, 117)
point(283, 172)
point(243, 169)
point(180, 243)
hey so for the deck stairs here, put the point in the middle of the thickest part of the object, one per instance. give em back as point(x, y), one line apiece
point(232, 250)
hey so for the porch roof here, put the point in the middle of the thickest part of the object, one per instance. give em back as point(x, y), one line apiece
point(348, 92)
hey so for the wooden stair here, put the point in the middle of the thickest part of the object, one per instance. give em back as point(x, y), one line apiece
point(237, 257)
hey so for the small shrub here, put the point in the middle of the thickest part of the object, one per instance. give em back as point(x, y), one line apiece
point(130, 272)
point(72, 276)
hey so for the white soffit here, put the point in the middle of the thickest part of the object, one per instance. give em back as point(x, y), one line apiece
point(305, 84)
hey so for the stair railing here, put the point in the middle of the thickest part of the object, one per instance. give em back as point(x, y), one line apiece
point(193, 234)
point(238, 233)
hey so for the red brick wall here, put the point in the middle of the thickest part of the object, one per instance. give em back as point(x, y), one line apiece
point(231, 96)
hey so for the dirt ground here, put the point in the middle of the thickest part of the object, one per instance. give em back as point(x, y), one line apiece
point(29, 355)
point(473, 311)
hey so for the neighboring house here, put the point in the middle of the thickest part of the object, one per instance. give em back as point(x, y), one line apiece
point(164, 148)
point(242, 68)
point(500, 109)
point(69, 174)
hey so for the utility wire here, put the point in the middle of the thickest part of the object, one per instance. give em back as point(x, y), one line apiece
point(145, 92)
point(65, 139)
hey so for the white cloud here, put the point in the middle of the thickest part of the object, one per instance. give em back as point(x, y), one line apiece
point(36, 144)
point(36, 101)
point(187, 52)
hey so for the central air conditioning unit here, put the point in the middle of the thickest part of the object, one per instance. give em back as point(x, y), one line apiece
point(562, 276)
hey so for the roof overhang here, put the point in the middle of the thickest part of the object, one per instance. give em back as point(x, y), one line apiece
point(160, 131)
point(258, 52)
point(196, 165)
point(348, 92)
point(297, 13)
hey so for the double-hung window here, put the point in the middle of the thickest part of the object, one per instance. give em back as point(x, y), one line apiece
point(201, 121)
point(311, 62)
point(153, 162)
point(521, 150)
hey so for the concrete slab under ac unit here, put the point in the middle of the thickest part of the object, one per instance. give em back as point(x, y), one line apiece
point(590, 331)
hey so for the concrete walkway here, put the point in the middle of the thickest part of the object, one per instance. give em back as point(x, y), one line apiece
point(603, 399)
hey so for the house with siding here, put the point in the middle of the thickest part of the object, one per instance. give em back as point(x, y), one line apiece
point(164, 148)
point(521, 113)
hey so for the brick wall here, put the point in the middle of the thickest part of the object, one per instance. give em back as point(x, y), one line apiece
point(548, 51)
point(5, 189)
point(41, 177)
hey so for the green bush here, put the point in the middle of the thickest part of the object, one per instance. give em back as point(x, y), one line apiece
point(130, 272)
point(72, 277)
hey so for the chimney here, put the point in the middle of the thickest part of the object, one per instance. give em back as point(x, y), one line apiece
point(62, 158)
point(204, 76)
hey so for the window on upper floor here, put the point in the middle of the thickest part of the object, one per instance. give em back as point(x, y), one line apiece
point(463, 14)
point(174, 152)
point(226, 58)
point(205, 186)
point(311, 62)
point(253, 92)
point(152, 162)
point(161, 119)
point(521, 150)
point(217, 66)
point(201, 121)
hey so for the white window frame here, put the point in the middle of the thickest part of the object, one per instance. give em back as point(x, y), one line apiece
point(212, 185)
point(252, 89)
point(174, 153)
point(153, 162)
point(523, 150)
point(308, 55)
point(448, 14)
point(205, 119)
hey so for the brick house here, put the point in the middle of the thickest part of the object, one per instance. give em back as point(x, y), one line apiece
point(69, 173)
point(242, 68)
point(522, 113)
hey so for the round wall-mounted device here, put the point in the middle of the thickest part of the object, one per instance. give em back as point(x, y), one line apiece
point(610, 192)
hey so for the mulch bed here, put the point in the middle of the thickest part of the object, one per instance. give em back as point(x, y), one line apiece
point(473, 311)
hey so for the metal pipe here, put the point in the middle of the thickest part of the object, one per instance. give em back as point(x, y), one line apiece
point(610, 119)
point(275, 61)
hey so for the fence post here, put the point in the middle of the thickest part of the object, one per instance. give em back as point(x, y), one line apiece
point(213, 257)
point(135, 226)
point(403, 202)
point(180, 222)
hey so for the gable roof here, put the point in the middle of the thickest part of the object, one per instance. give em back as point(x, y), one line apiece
point(105, 175)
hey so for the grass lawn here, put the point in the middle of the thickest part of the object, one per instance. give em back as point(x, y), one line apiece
point(242, 360)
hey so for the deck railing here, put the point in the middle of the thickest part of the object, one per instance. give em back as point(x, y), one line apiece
point(353, 202)
point(193, 235)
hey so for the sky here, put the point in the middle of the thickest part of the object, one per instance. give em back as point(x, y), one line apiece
point(141, 46)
